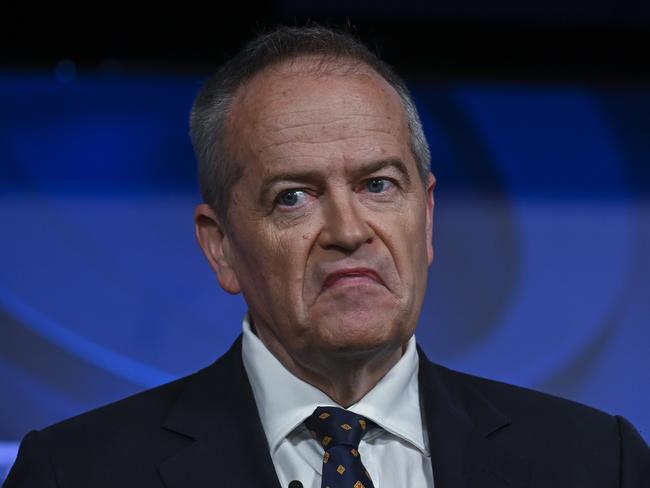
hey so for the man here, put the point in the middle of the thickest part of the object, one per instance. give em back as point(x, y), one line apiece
point(319, 209)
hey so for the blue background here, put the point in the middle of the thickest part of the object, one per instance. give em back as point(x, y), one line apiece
point(542, 232)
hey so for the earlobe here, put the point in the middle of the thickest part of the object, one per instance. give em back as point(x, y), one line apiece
point(215, 244)
point(429, 224)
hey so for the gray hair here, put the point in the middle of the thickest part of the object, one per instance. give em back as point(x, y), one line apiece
point(218, 172)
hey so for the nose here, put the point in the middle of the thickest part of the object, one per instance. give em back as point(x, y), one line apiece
point(344, 225)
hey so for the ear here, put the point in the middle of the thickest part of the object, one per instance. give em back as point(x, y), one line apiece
point(431, 184)
point(216, 246)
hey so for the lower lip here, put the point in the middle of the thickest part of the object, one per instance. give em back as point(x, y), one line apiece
point(352, 281)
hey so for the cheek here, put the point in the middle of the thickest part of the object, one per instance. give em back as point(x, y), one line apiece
point(272, 259)
point(407, 243)
point(255, 255)
point(279, 262)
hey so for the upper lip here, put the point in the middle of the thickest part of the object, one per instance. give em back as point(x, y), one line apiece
point(350, 272)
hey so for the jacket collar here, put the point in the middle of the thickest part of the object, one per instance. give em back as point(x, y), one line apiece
point(463, 428)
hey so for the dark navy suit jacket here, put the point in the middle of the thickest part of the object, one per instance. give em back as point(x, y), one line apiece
point(204, 431)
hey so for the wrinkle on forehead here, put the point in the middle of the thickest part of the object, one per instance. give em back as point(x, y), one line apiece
point(305, 67)
point(299, 100)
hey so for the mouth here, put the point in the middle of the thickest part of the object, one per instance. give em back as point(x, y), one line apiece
point(352, 276)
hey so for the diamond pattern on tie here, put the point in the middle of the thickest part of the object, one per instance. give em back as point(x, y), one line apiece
point(339, 431)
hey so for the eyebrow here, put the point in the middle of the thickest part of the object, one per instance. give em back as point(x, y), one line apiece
point(376, 166)
point(312, 175)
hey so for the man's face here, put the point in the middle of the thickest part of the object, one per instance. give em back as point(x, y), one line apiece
point(329, 235)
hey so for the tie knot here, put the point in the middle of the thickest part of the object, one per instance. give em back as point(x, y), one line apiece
point(333, 426)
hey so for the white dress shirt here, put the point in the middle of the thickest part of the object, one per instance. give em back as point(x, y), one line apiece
point(395, 455)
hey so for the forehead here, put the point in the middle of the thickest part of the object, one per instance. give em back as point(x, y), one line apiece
point(306, 107)
point(317, 82)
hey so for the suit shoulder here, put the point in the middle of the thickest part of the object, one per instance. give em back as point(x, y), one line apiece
point(139, 411)
point(140, 417)
point(125, 433)
point(520, 402)
point(552, 430)
point(125, 442)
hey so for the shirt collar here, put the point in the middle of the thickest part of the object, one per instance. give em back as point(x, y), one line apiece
point(284, 401)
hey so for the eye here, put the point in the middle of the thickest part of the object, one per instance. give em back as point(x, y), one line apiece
point(291, 198)
point(378, 185)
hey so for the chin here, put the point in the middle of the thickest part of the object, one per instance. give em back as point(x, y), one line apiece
point(362, 333)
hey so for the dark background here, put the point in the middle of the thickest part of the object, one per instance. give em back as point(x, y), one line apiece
point(537, 116)
point(567, 40)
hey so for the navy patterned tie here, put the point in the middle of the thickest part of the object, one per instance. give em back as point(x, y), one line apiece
point(339, 432)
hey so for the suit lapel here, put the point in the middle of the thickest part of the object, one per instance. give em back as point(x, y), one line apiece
point(218, 415)
point(462, 426)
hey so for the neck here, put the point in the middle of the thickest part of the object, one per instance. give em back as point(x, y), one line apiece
point(345, 376)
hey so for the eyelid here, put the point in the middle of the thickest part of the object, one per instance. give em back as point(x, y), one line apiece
point(392, 181)
point(281, 193)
